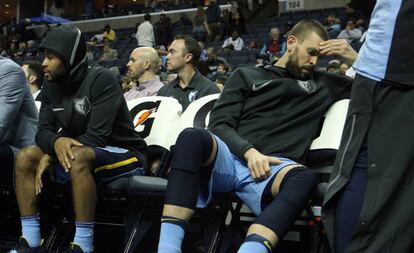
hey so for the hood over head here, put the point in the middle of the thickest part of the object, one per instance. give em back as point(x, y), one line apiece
point(69, 45)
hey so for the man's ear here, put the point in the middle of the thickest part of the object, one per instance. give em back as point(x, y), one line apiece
point(291, 43)
point(188, 57)
point(32, 79)
point(147, 64)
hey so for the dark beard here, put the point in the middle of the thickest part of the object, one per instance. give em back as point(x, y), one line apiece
point(292, 66)
point(60, 74)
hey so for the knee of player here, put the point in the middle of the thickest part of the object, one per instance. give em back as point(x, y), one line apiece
point(83, 159)
point(28, 158)
point(192, 135)
point(299, 183)
point(193, 146)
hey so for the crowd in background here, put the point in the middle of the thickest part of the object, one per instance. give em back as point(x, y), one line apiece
point(219, 32)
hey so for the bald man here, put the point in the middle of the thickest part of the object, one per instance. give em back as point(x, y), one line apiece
point(142, 68)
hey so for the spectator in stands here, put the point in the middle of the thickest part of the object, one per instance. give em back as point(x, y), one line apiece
point(163, 31)
point(18, 117)
point(190, 85)
point(96, 133)
point(237, 23)
point(109, 34)
point(106, 35)
point(367, 205)
point(145, 33)
point(222, 70)
point(241, 155)
point(272, 47)
point(351, 33)
point(351, 13)
point(142, 67)
point(34, 76)
point(333, 26)
point(200, 27)
point(213, 20)
point(108, 53)
point(235, 42)
point(213, 60)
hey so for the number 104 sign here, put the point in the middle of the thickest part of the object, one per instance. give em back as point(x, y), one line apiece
point(292, 5)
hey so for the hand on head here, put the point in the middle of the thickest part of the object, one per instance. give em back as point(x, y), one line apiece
point(338, 47)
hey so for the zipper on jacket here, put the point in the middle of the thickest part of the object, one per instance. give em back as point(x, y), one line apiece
point(343, 155)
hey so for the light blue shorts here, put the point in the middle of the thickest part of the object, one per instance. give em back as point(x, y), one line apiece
point(231, 174)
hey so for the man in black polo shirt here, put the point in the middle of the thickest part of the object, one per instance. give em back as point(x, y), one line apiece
point(189, 85)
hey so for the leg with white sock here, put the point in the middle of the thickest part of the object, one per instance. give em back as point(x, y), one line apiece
point(194, 150)
point(292, 188)
point(27, 161)
point(84, 196)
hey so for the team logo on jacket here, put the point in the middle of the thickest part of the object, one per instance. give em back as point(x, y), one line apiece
point(308, 86)
point(192, 96)
point(82, 105)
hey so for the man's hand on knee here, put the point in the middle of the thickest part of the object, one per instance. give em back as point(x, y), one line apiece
point(259, 164)
point(63, 151)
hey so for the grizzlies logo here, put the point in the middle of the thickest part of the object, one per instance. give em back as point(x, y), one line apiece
point(308, 86)
point(82, 105)
point(192, 96)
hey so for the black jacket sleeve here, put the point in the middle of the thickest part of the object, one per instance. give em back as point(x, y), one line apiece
point(47, 131)
point(225, 116)
point(106, 97)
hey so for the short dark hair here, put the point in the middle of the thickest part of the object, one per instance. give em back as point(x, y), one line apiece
point(191, 46)
point(147, 17)
point(305, 27)
point(35, 68)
